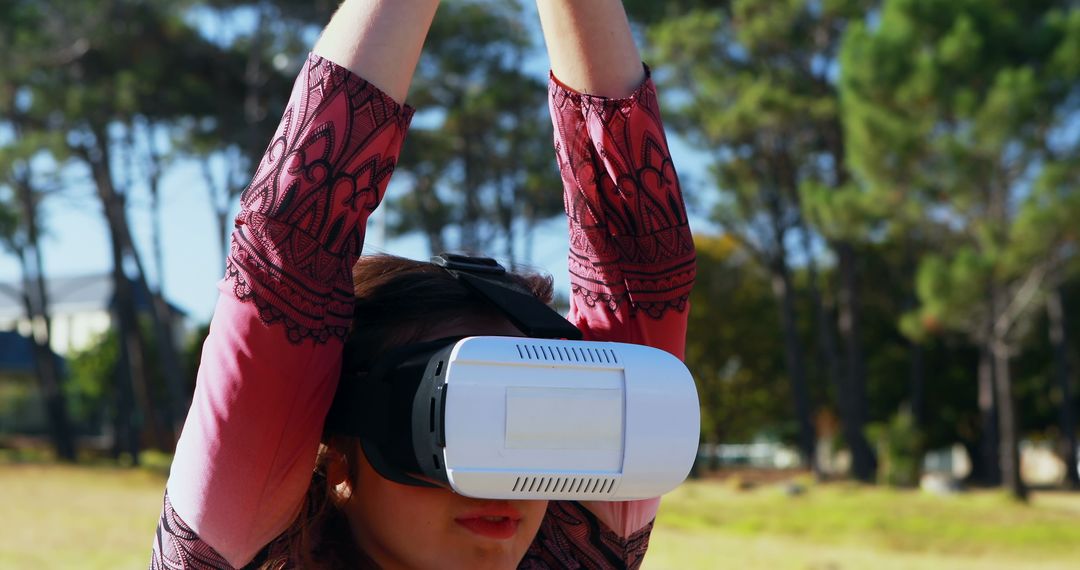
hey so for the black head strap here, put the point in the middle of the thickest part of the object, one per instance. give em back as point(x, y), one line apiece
point(377, 407)
point(486, 278)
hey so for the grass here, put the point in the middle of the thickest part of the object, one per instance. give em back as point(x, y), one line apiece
point(102, 517)
point(77, 517)
point(840, 526)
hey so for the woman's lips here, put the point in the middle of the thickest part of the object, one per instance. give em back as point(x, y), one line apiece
point(499, 528)
point(498, 522)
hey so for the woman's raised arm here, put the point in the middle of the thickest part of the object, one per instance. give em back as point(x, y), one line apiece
point(632, 260)
point(271, 362)
point(631, 252)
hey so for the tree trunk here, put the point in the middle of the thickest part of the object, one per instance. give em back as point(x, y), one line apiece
point(130, 374)
point(470, 239)
point(161, 319)
point(131, 340)
point(224, 235)
point(1055, 310)
point(528, 238)
point(170, 360)
point(917, 370)
point(826, 340)
point(852, 399)
point(430, 220)
point(917, 384)
point(506, 215)
point(1008, 423)
point(153, 180)
point(36, 304)
point(220, 196)
point(112, 202)
point(987, 469)
point(781, 285)
point(45, 365)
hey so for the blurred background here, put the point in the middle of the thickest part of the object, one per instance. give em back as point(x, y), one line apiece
point(886, 203)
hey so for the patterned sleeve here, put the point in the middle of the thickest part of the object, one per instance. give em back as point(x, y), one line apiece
point(571, 536)
point(631, 253)
point(271, 362)
point(632, 262)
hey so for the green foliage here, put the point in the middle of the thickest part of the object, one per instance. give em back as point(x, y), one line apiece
point(21, 409)
point(953, 290)
point(732, 345)
point(949, 407)
point(92, 375)
point(900, 449)
point(251, 78)
point(845, 212)
point(91, 380)
point(751, 84)
point(955, 106)
point(485, 162)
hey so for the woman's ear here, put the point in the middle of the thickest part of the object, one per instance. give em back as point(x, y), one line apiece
point(337, 476)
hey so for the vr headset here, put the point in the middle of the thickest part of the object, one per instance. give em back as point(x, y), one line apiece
point(546, 416)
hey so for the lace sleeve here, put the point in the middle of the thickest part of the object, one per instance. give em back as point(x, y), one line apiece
point(630, 244)
point(573, 537)
point(177, 547)
point(632, 259)
point(301, 224)
point(270, 364)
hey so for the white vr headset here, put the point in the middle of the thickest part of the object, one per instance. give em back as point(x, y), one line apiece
point(524, 417)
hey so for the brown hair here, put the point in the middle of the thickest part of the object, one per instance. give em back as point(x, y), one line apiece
point(398, 301)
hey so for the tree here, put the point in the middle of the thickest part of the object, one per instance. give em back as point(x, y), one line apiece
point(20, 223)
point(751, 83)
point(252, 81)
point(1055, 309)
point(731, 343)
point(482, 161)
point(956, 107)
point(94, 83)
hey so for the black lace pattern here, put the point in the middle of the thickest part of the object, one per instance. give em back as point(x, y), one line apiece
point(630, 242)
point(301, 224)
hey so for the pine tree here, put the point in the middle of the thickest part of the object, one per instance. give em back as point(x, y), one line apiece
point(958, 109)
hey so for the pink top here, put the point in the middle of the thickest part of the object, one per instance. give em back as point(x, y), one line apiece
point(270, 365)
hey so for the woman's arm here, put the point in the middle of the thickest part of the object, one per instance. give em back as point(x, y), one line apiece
point(379, 40)
point(270, 365)
point(631, 253)
point(591, 47)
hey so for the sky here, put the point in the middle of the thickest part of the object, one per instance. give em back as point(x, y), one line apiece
point(76, 240)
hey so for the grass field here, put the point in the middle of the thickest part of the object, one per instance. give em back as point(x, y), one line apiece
point(840, 526)
point(85, 517)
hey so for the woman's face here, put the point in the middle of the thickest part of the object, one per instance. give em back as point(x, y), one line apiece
point(403, 526)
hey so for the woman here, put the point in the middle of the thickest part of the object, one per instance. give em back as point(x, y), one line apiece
point(241, 492)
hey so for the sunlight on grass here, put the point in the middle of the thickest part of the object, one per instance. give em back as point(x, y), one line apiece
point(77, 517)
point(710, 525)
point(101, 517)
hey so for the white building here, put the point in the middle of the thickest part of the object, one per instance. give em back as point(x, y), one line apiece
point(80, 308)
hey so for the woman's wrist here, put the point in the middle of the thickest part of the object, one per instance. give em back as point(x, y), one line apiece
point(591, 47)
point(379, 40)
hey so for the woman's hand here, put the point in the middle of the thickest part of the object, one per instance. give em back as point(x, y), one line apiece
point(591, 47)
point(379, 40)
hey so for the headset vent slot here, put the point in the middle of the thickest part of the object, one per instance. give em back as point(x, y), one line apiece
point(595, 486)
point(566, 354)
